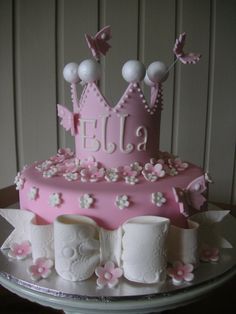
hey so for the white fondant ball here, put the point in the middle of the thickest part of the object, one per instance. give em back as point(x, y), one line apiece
point(157, 72)
point(70, 72)
point(147, 81)
point(89, 70)
point(133, 71)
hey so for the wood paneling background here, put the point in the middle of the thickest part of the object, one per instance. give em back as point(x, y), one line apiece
point(37, 38)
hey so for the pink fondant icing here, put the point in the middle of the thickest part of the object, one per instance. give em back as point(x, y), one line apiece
point(103, 210)
point(95, 109)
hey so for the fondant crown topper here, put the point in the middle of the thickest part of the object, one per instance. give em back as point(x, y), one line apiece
point(129, 130)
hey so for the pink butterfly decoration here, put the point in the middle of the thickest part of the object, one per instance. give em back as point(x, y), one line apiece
point(191, 196)
point(99, 43)
point(69, 120)
point(184, 57)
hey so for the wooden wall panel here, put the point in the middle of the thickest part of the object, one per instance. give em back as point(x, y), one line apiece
point(222, 116)
point(8, 165)
point(40, 37)
point(74, 19)
point(191, 82)
point(123, 16)
point(35, 79)
point(157, 45)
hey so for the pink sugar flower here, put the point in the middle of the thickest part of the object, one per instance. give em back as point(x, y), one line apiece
point(108, 275)
point(179, 165)
point(40, 269)
point(209, 254)
point(88, 162)
point(92, 174)
point(153, 172)
point(128, 171)
point(20, 251)
point(181, 272)
point(62, 155)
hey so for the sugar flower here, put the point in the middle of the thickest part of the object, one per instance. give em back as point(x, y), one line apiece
point(128, 171)
point(209, 254)
point(86, 201)
point(92, 174)
point(131, 180)
point(135, 166)
point(122, 201)
point(33, 193)
point(40, 269)
point(71, 176)
point(108, 275)
point(172, 172)
point(44, 165)
point(51, 172)
point(55, 199)
point(19, 181)
point(179, 165)
point(20, 251)
point(158, 199)
point(153, 172)
point(112, 175)
point(180, 272)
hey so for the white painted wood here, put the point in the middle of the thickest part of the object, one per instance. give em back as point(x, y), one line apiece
point(8, 164)
point(35, 79)
point(74, 19)
point(123, 16)
point(222, 118)
point(191, 83)
point(198, 121)
point(157, 45)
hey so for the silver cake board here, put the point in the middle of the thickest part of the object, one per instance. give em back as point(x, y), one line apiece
point(127, 297)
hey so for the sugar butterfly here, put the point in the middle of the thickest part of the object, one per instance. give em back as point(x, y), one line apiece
point(69, 120)
point(99, 43)
point(191, 196)
point(184, 57)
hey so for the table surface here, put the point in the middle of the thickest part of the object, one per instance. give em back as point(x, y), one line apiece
point(219, 300)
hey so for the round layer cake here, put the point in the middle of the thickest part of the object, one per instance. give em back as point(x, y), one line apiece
point(65, 185)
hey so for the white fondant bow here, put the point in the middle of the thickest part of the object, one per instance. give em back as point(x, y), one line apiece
point(80, 246)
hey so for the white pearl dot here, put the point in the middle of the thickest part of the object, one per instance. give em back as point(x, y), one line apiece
point(107, 275)
point(133, 71)
point(40, 270)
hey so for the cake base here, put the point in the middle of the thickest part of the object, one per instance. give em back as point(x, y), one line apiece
point(84, 297)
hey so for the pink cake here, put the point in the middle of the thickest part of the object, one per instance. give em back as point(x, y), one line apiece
point(95, 210)
point(117, 154)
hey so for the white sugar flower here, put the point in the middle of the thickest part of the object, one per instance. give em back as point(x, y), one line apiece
point(55, 199)
point(131, 180)
point(85, 201)
point(122, 201)
point(19, 181)
point(158, 199)
point(50, 173)
point(172, 172)
point(135, 166)
point(112, 175)
point(33, 193)
point(71, 176)
point(44, 165)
